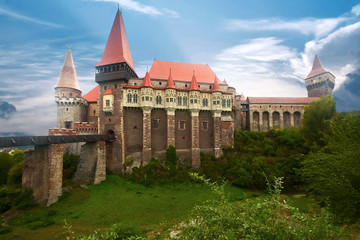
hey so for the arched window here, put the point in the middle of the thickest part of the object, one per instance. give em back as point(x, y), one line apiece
point(185, 101)
point(228, 103)
point(135, 96)
point(205, 102)
point(158, 99)
point(129, 98)
point(179, 100)
point(223, 103)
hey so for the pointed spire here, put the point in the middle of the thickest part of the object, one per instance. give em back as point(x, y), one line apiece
point(147, 81)
point(194, 85)
point(242, 97)
point(170, 82)
point(317, 68)
point(216, 87)
point(117, 48)
point(68, 77)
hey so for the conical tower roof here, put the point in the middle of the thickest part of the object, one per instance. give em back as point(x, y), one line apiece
point(170, 82)
point(317, 68)
point(194, 85)
point(68, 77)
point(147, 81)
point(216, 87)
point(117, 47)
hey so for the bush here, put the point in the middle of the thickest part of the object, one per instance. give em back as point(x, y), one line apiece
point(171, 159)
point(70, 164)
point(15, 175)
point(6, 162)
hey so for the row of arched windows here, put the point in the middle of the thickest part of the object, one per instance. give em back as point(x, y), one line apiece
point(132, 98)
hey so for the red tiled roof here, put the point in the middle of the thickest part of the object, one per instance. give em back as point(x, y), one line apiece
point(317, 68)
point(68, 77)
point(147, 81)
point(170, 82)
point(282, 100)
point(194, 85)
point(93, 95)
point(117, 47)
point(181, 71)
point(242, 97)
point(216, 87)
point(109, 92)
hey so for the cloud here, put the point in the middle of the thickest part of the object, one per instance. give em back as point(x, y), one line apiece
point(356, 10)
point(6, 109)
point(142, 8)
point(307, 26)
point(28, 19)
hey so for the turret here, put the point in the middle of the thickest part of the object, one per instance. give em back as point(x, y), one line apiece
point(170, 93)
point(146, 92)
point(71, 107)
point(319, 82)
point(216, 95)
point(194, 94)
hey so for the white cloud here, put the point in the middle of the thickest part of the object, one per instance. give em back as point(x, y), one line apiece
point(142, 8)
point(356, 10)
point(318, 27)
point(28, 19)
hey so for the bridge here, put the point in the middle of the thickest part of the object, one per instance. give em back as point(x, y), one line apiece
point(43, 167)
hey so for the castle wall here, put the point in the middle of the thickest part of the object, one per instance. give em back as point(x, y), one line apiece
point(158, 129)
point(70, 110)
point(133, 123)
point(182, 136)
point(320, 85)
point(206, 130)
point(92, 113)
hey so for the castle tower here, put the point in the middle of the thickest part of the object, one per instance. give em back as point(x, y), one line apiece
point(319, 82)
point(71, 107)
point(113, 72)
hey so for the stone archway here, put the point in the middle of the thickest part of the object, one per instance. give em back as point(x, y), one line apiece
point(276, 119)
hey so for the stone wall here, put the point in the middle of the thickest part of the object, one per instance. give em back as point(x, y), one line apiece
point(206, 130)
point(158, 130)
point(182, 136)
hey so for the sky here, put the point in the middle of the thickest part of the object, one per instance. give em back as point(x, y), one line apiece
point(262, 47)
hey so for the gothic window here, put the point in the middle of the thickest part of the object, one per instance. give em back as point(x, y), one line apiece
point(195, 100)
point(204, 125)
point(135, 96)
point(223, 103)
point(205, 102)
point(158, 99)
point(217, 102)
point(185, 101)
point(214, 102)
point(167, 99)
point(228, 103)
point(146, 98)
point(171, 99)
point(155, 123)
point(107, 103)
point(129, 98)
point(179, 100)
point(182, 125)
point(191, 101)
point(142, 98)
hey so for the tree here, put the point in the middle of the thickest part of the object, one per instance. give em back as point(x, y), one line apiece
point(316, 120)
point(332, 174)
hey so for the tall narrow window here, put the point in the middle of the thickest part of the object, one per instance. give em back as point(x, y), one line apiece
point(185, 101)
point(204, 125)
point(129, 98)
point(181, 125)
point(179, 100)
point(223, 103)
point(228, 103)
point(68, 124)
point(158, 99)
point(155, 123)
point(205, 102)
point(107, 103)
point(135, 96)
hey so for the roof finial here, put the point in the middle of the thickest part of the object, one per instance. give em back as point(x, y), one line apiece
point(147, 68)
point(69, 47)
point(170, 70)
point(193, 72)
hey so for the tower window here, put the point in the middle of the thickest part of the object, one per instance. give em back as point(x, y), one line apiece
point(186, 85)
point(223, 103)
point(94, 112)
point(129, 98)
point(205, 102)
point(70, 94)
point(135, 98)
point(160, 83)
point(155, 123)
point(147, 98)
point(67, 109)
point(228, 103)
point(179, 100)
point(182, 125)
point(158, 99)
point(134, 83)
point(68, 124)
point(115, 86)
point(107, 102)
point(104, 87)
point(185, 101)
point(204, 125)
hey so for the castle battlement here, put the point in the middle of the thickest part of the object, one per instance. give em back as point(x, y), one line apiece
point(70, 101)
point(86, 127)
point(61, 131)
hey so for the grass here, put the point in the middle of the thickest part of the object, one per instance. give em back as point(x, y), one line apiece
point(116, 200)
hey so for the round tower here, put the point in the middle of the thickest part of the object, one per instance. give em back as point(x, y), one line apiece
point(71, 107)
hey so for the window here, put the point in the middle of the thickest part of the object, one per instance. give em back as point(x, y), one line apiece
point(223, 103)
point(115, 86)
point(204, 125)
point(167, 99)
point(210, 87)
point(205, 102)
point(135, 96)
point(217, 102)
point(214, 102)
point(195, 100)
point(171, 99)
point(107, 103)
point(160, 83)
point(142, 99)
point(228, 103)
point(146, 98)
point(104, 87)
point(94, 112)
point(70, 94)
point(67, 109)
point(179, 100)
point(155, 123)
point(182, 125)
point(158, 99)
point(186, 85)
point(129, 98)
point(68, 124)
point(134, 83)
point(185, 101)
point(191, 101)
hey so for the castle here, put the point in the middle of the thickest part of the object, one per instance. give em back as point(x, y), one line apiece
point(180, 104)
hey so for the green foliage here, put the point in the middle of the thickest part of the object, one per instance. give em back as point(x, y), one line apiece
point(332, 174)
point(316, 120)
point(15, 199)
point(69, 165)
point(15, 175)
point(6, 162)
point(266, 217)
point(171, 159)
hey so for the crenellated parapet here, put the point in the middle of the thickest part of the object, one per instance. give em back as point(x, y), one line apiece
point(61, 131)
point(70, 101)
point(86, 127)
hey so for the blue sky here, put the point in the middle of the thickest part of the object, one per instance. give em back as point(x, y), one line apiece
point(262, 48)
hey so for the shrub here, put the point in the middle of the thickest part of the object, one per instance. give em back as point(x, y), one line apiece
point(70, 164)
point(15, 175)
point(6, 162)
point(171, 160)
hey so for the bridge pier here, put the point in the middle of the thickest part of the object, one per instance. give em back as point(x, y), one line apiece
point(43, 173)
